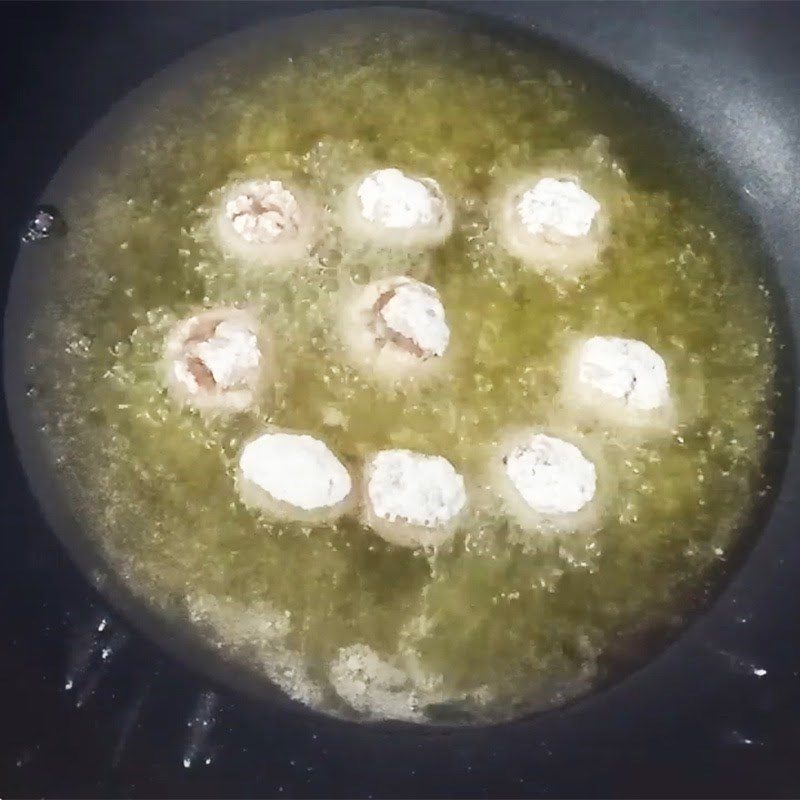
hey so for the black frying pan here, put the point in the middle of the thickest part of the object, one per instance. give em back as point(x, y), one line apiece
point(711, 715)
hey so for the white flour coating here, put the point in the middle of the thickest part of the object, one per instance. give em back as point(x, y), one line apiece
point(296, 469)
point(228, 356)
point(415, 488)
point(263, 212)
point(558, 205)
point(416, 313)
point(230, 353)
point(184, 376)
point(625, 369)
point(552, 475)
point(393, 200)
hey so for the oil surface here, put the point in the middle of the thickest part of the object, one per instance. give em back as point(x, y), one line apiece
point(501, 621)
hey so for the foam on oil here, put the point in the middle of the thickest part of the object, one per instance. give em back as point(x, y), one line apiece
point(502, 621)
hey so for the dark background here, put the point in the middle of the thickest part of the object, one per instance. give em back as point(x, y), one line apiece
point(89, 708)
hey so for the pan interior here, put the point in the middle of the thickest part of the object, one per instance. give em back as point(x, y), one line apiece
point(500, 623)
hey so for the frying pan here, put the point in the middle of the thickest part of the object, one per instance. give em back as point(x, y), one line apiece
point(712, 714)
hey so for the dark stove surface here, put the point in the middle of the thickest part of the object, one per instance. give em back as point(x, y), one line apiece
point(90, 708)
